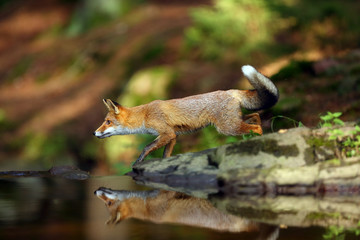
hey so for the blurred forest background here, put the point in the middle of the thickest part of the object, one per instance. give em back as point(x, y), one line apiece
point(60, 58)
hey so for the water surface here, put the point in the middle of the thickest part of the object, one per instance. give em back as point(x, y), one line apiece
point(58, 208)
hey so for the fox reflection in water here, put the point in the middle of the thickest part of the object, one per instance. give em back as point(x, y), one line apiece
point(162, 206)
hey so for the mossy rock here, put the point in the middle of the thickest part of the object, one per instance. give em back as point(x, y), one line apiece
point(287, 162)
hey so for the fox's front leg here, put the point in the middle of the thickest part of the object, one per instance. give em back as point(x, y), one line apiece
point(167, 139)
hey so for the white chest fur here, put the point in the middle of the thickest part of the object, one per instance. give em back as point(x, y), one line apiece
point(120, 130)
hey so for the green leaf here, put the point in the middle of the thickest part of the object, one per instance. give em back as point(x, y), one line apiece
point(326, 117)
point(338, 132)
point(336, 114)
point(327, 125)
point(327, 236)
point(357, 128)
point(357, 142)
point(339, 122)
point(351, 153)
point(347, 142)
point(332, 137)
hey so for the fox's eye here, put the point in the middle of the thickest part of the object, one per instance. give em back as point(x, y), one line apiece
point(108, 122)
point(109, 203)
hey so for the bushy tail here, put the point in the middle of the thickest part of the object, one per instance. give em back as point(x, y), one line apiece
point(265, 94)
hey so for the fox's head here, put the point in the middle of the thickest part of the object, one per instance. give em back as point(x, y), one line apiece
point(121, 204)
point(114, 123)
point(112, 200)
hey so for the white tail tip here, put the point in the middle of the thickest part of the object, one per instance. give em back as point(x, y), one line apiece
point(248, 70)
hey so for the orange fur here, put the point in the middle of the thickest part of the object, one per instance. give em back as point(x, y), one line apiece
point(167, 119)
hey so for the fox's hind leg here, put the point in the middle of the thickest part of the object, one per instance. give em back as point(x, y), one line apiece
point(253, 118)
point(247, 128)
point(235, 124)
point(169, 148)
point(238, 127)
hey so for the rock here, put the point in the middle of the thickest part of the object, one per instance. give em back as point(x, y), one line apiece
point(189, 171)
point(281, 149)
point(296, 161)
point(308, 211)
point(69, 172)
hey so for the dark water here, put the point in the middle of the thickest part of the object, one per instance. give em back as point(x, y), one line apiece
point(57, 208)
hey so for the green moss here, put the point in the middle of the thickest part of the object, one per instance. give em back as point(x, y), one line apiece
point(319, 142)
point(319, 147)
point(322, 216)
point(270, 146)
point(309, 156)
point(334, 161)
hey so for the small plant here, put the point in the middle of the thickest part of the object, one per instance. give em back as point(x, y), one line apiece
point(334, 232)
point(331, 119)
point(339, 233)
point(352, 145)
point(348, 145)
point(335, 134)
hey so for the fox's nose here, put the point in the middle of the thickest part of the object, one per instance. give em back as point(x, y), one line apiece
point(94, 133)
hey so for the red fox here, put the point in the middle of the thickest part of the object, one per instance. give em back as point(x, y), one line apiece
point(169, 118)
point(161, 206)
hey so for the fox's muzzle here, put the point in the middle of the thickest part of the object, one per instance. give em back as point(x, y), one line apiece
point(101, 134)
point(97, 134)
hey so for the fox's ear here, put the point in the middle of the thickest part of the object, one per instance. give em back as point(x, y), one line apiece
point(112, 106)
point(107, 106)
point(115, 103)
